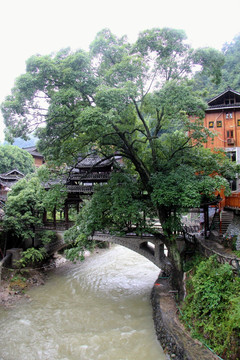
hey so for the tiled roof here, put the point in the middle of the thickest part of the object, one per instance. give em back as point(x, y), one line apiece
point(93, 161)
point(33, 151)
point(11, 173)
point(218, 101)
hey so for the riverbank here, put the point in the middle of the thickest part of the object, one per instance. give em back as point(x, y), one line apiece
point(15, 282)
point(173, 337)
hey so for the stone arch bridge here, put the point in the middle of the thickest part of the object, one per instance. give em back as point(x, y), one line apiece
point(146, 245)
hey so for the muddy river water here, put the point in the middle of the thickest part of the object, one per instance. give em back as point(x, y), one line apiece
point(98, 309)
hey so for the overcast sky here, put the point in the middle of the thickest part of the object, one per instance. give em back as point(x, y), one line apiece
point(28, 27)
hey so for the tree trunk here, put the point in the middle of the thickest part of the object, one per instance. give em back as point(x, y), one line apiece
point(174, 254)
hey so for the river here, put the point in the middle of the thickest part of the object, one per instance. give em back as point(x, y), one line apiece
point(98, 309)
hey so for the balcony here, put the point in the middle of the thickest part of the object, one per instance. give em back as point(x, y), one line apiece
point(230, 141)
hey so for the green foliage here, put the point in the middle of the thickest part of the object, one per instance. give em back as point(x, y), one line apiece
point(176, 189)
point(32, 256)
point(46, 236)
point(24, 208)
point(237, 252)
point(12, 157)
point(211, 63)
point(212, 306)
point(79, 244)
point(230, 71)
point(193, 262)
point(26, 203)
point(115, 206)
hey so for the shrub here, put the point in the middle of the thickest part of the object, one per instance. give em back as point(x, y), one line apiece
point(32, 256)
point(212, 307)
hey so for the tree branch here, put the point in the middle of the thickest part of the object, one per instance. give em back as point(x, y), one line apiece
point(159, 119)
point(149, 136)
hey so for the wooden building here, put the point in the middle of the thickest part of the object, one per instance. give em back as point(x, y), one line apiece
point(7, 180)
point(38, 158)
point(80, 182)
point(223, 119)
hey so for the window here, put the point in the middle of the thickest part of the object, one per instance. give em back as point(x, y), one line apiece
point(231, 155)
point(229, 115)
point(230, 134)
point(238, 122)
point(219, 123)
point(210, 124)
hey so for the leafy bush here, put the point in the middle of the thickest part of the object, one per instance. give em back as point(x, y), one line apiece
point(46, 236)
point(32, 256)
point(212, 307)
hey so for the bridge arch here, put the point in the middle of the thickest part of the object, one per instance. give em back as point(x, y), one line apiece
point(148, 246)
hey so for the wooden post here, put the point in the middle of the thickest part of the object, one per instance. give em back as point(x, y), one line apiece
point(44, 216)
point(54, 217)
point(66, 213)
point(206, 220)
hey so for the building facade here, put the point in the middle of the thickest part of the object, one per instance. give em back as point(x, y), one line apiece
point(38, 158)
point(222, 118)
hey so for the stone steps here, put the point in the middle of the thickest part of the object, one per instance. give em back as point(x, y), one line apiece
point(226, 219)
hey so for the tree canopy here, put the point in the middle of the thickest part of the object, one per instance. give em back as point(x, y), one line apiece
point(230, 71)
point(130, 100)
point(12, 157)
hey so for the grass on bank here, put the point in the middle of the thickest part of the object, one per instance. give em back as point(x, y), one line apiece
point(211, 308)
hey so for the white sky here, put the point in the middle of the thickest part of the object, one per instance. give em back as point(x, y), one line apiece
point(28, 27)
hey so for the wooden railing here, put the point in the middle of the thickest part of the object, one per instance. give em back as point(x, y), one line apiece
point(58, 225)
point(233, 201)
point(91, 176)
point(80, 188)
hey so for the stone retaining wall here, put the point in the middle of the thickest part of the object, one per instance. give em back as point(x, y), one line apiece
point(175, 340)
point(166, 340)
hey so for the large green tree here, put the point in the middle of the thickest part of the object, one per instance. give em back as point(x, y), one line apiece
point(131, 100)
point(12, 157)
